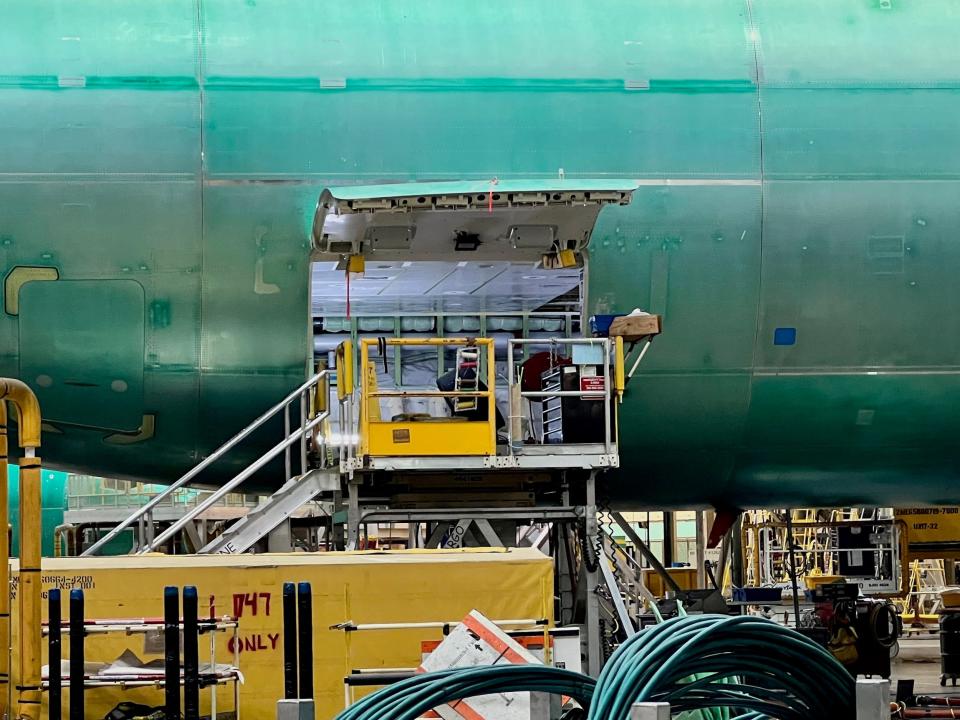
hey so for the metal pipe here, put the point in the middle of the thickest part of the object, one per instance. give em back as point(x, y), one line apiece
point(28, 594)
point(793, 569)
point(141, 624)
point(54, 655)
point(4, 568)
point(191, 655)
point(544, 514)
point(647, 553)
point(491, 396)
point(303, 434)
point(557, 393)
point(367, 679)
point(287, 467)
point(305, 639)
point(365, 398)
point(76, 655)
point(669, 535)
point(639, 359)
point(200, 467)
point(64, 540)
point(350, 626)
point(227, 488)
point(27, 411)
point(430, 393)
point(514, 418)
point(413, 342)
point(606, 397)
point(171, 651)
point(289, 641)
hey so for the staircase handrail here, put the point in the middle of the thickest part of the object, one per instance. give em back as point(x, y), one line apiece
point(229, 487)
point(207, 462)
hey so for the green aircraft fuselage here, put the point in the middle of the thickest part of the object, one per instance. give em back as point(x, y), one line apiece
point(796, 220)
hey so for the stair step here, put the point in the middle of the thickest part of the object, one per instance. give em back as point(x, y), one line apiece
point(257, 523)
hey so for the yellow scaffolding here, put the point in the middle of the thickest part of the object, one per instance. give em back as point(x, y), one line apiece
point(431, 436)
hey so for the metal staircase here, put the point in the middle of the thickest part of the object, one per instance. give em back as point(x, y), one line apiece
point(267, 516)
point(297, 488)
point(344, 464)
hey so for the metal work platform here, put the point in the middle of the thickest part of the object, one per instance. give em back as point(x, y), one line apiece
point(500, 444)
point(504, 439)
point(583, 456)
point(431, 453)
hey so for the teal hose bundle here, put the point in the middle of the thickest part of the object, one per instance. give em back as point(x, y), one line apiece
point(410, 699)
point(743, 668)
point(713, 667)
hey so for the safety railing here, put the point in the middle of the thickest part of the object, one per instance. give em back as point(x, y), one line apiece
point(183, 499)
point(612, 384)
point(143, 520)
point(347, 445)
point(770, 546)
point(374, 436)
point(389, 437)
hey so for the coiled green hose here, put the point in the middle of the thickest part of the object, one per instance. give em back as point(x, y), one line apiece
point(716, 662)
point(715, 667)
point(411, 698)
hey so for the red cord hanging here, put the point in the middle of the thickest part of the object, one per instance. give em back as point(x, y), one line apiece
point(493, 182)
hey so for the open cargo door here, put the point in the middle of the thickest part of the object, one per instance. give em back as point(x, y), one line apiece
point(536, 221)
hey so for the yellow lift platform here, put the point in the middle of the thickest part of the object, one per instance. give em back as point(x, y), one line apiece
point(457, 441)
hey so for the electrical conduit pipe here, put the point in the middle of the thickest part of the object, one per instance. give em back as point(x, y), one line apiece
point(27, 410)
point(4, 568)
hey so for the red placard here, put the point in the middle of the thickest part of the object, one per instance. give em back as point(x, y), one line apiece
point(593, 385)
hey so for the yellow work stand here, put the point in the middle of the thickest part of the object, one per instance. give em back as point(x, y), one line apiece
point(431, 436)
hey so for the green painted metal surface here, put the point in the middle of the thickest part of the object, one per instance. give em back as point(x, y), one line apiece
point(93, 329)
point(53, 503)
point(799, 169)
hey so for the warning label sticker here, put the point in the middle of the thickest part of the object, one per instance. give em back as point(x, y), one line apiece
point(594, 386)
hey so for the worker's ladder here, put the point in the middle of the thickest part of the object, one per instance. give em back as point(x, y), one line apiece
point(467, 377)
point(927, 582)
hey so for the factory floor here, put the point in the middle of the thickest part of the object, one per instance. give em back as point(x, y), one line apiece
point(919, 658)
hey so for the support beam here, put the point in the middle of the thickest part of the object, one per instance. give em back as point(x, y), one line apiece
point(353, 515)
point(280, 539)
point(594, 655)
point(192, 536)
point(646, 552)
point(486, 530)
point(701, 550)
point(18, 394)
point(618, 605)
point(669, 536)
point(565, 578)
point(736, 554)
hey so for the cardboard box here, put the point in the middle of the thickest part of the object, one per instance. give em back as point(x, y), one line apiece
point(633, 327)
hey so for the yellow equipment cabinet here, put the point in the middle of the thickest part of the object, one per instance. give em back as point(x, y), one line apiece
point(363, 587)
point(432, 436)
point(932, 532)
